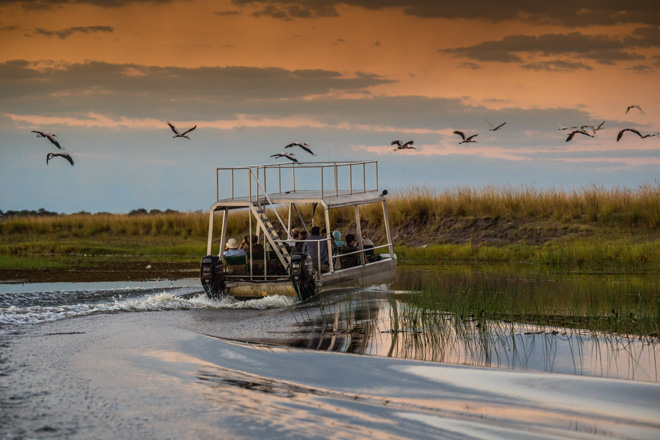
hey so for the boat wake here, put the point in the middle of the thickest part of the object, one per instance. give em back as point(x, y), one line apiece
point(27, 306)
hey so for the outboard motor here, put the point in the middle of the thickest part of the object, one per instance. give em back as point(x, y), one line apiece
point(212, 277)
point(302, 275)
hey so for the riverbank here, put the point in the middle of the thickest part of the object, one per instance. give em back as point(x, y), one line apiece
point(588, 230)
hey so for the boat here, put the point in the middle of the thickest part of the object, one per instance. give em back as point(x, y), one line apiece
point(273, 199)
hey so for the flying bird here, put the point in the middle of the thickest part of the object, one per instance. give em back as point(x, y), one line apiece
point(176, 132)
point(632, 130)
point(302, 145)
point(634, 106)
point(403, 146)
point(593, 127)
point(466, 140)
point(50, 136)
point(567, 128)
point(290, 156)
point(493, 128)
point(49, 156)
point(574, 132)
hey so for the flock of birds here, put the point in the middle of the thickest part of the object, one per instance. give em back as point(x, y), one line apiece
point(400, 145)
point(51, 137)
point(582, 129)
point(292, 156)
point(470, 139)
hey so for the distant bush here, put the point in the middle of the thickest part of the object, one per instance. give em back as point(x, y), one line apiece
point(41, 212)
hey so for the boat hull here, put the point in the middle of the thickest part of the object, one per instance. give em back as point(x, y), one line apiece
point(378, 272)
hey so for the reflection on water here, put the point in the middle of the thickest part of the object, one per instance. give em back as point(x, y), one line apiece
point(593, 325)
point(389, 322)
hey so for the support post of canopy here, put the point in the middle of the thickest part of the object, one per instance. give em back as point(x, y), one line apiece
point(387, 230)
point(288, 223)
point(223, 233)
point(327, 242)
point(209, 244)
point(336, 181)
point(358, 231)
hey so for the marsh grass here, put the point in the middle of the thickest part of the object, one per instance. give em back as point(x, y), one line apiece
point(592, 228)
point(600, 304)
point(615, 255)
point(590, 204)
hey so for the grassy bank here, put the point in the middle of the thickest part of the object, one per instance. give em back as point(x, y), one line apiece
point(592, 228)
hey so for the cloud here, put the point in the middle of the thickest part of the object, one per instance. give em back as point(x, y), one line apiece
point(133, 90)
point(640, 68)
point(562, 12)
point(179, 83)
point(66, 33)
point(468, 65)
point(568, 13)
point(291, 10)
point(98, 94)
point(228, 13)
point(50, 4)
point(603, 49)
point(556, 66)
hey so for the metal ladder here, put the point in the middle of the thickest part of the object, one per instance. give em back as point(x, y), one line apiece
point(270, 232)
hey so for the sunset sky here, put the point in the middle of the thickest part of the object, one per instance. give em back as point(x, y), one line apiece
point(347, 77)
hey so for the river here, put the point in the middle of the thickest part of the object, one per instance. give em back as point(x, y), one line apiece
point(158, 359)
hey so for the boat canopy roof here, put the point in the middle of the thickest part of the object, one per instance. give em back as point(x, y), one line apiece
point(333, 184)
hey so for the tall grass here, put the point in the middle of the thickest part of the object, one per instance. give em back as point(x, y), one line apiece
point(592, 204)
point(591, 227)
point(598, 305)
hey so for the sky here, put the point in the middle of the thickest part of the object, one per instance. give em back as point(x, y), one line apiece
point(346, 77)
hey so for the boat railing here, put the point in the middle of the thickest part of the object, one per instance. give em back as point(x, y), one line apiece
point(249, 274)
point(338, 255)
point(320, 178)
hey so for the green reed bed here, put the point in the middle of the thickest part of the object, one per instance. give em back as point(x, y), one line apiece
point(600, 304)
point(576, 255)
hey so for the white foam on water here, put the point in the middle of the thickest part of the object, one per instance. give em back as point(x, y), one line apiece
point(96, 286)
point(228, 302)
point(166, 300)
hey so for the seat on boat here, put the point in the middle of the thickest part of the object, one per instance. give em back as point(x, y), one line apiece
point(351, 260)
point(369, 253)
point(235, 265)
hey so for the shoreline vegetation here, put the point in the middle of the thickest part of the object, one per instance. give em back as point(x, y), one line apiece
point(592, 229)
point(589, 231)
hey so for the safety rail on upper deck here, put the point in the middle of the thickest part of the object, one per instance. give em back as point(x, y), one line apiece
point(320, 179)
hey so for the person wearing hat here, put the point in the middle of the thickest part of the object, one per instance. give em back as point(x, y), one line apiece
point(295, 235)
point(232, 250)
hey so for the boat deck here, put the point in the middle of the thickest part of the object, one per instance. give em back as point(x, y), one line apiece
point(335, 184)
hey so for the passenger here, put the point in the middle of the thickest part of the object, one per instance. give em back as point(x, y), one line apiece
point(295, 235)
point(336, 235)
point(366, 241)
point(300, 244)
point(256, 246)
point(351, 246)
point(317, 246)
point(232, 249)
point(368, 244)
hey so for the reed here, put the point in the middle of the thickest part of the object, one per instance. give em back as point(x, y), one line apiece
point(638, 207)
point(591, 228)
point(631, 308)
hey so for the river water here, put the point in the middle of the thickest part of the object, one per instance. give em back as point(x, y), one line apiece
point(158, 359)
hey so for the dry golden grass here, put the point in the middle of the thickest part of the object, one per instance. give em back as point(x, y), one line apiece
point(592, 226)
